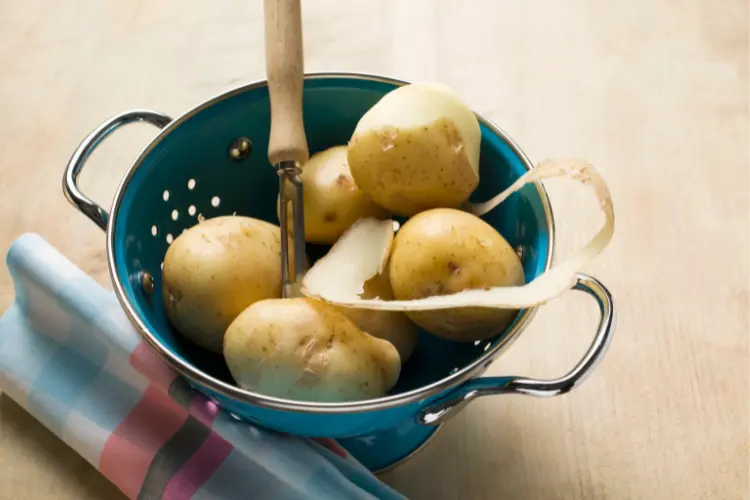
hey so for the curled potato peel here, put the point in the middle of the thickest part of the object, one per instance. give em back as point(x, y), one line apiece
point(334, 280)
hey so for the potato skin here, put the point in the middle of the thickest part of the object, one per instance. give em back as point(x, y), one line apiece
point(445, 251)
point(415, 149)
point(332, 200)
point(214, 270)
point(393, 326)
point(303, 349)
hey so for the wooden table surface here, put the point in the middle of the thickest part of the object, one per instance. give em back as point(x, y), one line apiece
point(654, 93)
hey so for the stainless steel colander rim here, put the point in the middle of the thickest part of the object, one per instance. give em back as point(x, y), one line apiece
point(233, 392)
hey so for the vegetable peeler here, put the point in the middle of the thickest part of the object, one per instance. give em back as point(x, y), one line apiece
point(287, 144)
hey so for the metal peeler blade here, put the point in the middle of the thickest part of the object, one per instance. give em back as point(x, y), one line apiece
point(290, 191)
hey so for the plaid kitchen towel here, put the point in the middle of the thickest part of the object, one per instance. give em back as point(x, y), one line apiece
point(69, 356)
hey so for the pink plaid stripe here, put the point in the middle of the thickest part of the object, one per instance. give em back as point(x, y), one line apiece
point(148, 364)
point(129, 451)
point(198, 469)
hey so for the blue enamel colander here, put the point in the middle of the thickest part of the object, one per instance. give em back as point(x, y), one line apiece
point(211, 161)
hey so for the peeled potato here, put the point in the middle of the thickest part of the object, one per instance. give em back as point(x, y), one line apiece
point(415, 149)
point(393, 326)
point(214, 270)
point(332, 200)
point(306, 350)
point(444, 251)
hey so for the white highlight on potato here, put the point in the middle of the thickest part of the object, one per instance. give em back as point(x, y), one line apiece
point(338, 277)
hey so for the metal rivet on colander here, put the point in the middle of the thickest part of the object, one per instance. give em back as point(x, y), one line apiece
point(240, 148)
point(147, 282)
point(520, 252)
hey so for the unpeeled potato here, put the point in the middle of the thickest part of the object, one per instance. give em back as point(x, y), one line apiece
point(214, 270)
point(417, 148)
point(303, 349)
point(393, 326)
point(443, 251)
point(332, 200)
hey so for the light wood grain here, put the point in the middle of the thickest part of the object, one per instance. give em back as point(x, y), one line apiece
point(654, 93)
point(284, 72)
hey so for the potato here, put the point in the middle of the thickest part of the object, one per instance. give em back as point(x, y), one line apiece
point(303, 349)
point(332, 200)
point(415, 149)
point(393, 326)
point(214, 270)
point(443, 251)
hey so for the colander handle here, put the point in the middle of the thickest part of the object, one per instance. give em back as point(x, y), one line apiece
point(449, 406)
point(70, 179)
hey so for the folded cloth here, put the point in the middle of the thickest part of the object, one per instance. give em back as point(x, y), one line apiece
point(70, 357)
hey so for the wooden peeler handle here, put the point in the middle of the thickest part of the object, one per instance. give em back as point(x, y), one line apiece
point(284, 69)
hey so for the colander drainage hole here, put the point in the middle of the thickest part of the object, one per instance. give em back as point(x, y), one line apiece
point(191, 184)
point(170, 238)
point(175, 214)
point(154, 230)
point(165, 195)
point(191, 210)
point(215, 201)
